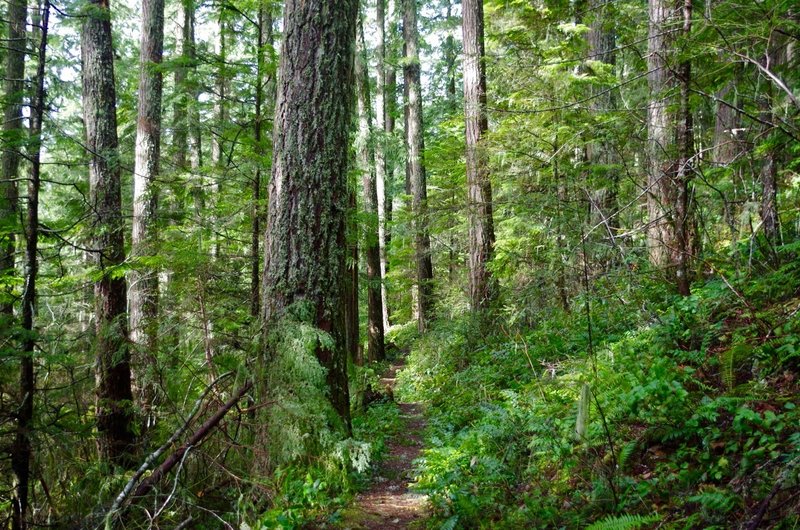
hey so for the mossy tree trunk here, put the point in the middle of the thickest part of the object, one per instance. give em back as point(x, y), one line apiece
point(113, 373)
point(12, 143)
point(305, 241)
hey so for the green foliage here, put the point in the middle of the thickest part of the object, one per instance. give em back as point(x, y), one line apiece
point(666, 429)
point(623, 522)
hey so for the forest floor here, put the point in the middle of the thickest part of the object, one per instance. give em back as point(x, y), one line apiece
point(388, 503)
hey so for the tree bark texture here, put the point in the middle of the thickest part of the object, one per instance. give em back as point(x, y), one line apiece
point(415, 161)
point(305, 241)
point(112, 366)
point(669, 142)
point(12, 142)
point(143, 294)
point(482, 288)
point(367, 161)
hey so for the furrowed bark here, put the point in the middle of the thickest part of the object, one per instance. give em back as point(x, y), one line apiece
point(305, 242)
point(482, 287)
point(112, 367)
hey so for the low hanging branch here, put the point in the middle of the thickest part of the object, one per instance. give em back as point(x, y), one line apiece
point(171, 461)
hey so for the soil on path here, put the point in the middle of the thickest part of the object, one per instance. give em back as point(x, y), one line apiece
point(388, 504)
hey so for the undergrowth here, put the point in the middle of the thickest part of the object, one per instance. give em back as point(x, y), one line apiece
point(669, 413)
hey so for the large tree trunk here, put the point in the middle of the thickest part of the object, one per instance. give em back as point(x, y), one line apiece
point(12, 142)
point(186, 129)
point(113, 373)
point(482, 288)
point(264, 39)
point(669, 142)
point(21, 450)
point(144, 280)
point(305, 236)
point(367, 161)
point(415, 162)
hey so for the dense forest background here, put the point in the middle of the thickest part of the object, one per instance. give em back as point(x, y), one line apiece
point(577, 221)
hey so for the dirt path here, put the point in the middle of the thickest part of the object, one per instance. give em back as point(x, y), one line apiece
point(388, 504)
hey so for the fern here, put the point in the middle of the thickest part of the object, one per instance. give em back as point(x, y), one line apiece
point(729, 361)
point(624, 522)
point(626, 453)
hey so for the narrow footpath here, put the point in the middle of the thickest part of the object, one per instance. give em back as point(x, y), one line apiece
point(388, 504)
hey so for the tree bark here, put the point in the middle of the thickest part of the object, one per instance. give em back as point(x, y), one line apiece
point(143, 294)
point(367, 161)
point(382, 166)
point(21, 449)
point(415, 161)
point(113, 374)
point(12, 141)
point(305, 241)
point(482, 287)
point(669, 142)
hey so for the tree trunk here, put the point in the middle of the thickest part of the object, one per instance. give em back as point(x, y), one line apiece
point(415, 160)
point(685, 145)
point(264, 39)
point(600, 155)
point(482, 288)
point(669, 143)
point(12, 141)
point(773, 58)
point(144, 279)
point(113, 375)
point(367, 161)
point(222, 88)
point(21, 450)
point(305, 241)
point(382, 168)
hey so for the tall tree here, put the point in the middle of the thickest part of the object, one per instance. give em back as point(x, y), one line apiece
point(22, 450)
point(600, 155)
point(113, 372)
point(263, 43)
point(669, 139)
point(12, 141)
point(367, 161)
point(186, 130)
point(382, 165)
point(415, 165)
point(305, 235)
point(144, 280)
point(479, 187)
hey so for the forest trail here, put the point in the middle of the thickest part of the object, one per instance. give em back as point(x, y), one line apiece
point(388, 503)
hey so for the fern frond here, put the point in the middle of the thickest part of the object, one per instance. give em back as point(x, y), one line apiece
point(624, 522)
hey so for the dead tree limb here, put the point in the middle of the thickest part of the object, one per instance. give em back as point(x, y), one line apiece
point(175, 457)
